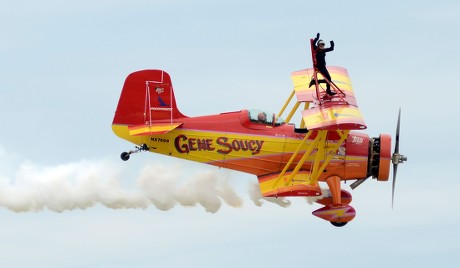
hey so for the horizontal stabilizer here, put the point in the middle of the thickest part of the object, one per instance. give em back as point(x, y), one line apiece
point(152, 129)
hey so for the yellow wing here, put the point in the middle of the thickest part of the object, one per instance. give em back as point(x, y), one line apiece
point(340, 112)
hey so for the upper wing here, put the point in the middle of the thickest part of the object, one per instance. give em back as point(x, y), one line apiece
point(339, 113)
point(339, 76)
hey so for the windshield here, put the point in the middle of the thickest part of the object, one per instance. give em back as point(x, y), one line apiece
point(264, 117)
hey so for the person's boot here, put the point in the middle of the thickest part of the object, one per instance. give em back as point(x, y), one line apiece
point(329, 92)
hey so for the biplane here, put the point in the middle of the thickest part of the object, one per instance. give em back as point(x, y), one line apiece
point(288, 161)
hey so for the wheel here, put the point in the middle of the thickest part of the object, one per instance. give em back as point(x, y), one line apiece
point(338, 224)
point(124, 156)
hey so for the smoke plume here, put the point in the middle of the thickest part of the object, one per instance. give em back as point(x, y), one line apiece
point(85, 184)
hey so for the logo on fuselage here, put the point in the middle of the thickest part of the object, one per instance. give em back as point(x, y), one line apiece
point(221, 145)
point(161, 102)
point(357, 140)
point(159, 90)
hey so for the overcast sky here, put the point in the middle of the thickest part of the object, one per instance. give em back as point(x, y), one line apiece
point(67, 200)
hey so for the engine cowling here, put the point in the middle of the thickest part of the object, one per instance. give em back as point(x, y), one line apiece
point(380, 157)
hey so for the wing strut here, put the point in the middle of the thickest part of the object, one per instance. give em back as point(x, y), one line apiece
point(323, 116)
point(316, 149)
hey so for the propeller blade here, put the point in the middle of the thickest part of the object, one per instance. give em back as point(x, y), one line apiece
point(395, 170)
point(397, 133)
point(396, 159)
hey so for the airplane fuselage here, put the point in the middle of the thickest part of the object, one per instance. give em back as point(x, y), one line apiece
point(234, 141)
point(287, 161)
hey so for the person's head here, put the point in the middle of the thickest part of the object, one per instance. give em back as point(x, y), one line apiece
point(321, 43)
point(262, 117)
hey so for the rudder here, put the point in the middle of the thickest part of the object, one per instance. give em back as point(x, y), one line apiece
point(146, 96)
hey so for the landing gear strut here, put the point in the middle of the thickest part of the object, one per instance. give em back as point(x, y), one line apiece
point(336, 211)
point(125, 155)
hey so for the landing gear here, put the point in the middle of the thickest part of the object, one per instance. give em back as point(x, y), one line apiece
point(338, 224)
point(125, 155)
point(338, 215)
point(336, 210)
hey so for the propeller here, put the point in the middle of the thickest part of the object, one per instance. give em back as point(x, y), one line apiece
point(397, 158)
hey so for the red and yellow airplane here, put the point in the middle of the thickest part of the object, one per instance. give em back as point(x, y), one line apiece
point(288, 161)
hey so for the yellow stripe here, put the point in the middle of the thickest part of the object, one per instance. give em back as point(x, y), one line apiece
point(153, 129)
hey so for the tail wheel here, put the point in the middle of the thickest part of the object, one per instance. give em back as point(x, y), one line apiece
point(125, 156)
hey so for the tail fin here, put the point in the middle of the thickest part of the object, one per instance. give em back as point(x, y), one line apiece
point(146, 96)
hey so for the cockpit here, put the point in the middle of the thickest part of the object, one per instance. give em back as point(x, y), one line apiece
point(264, 118)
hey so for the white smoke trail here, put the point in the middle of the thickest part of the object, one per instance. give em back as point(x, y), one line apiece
point(161, 186)
point(86, 184)
point(66, 187)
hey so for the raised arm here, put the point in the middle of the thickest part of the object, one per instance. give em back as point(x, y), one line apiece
point(315, 40)
point(330, 48)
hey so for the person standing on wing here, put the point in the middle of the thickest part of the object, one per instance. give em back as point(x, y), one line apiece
point(320, 54)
